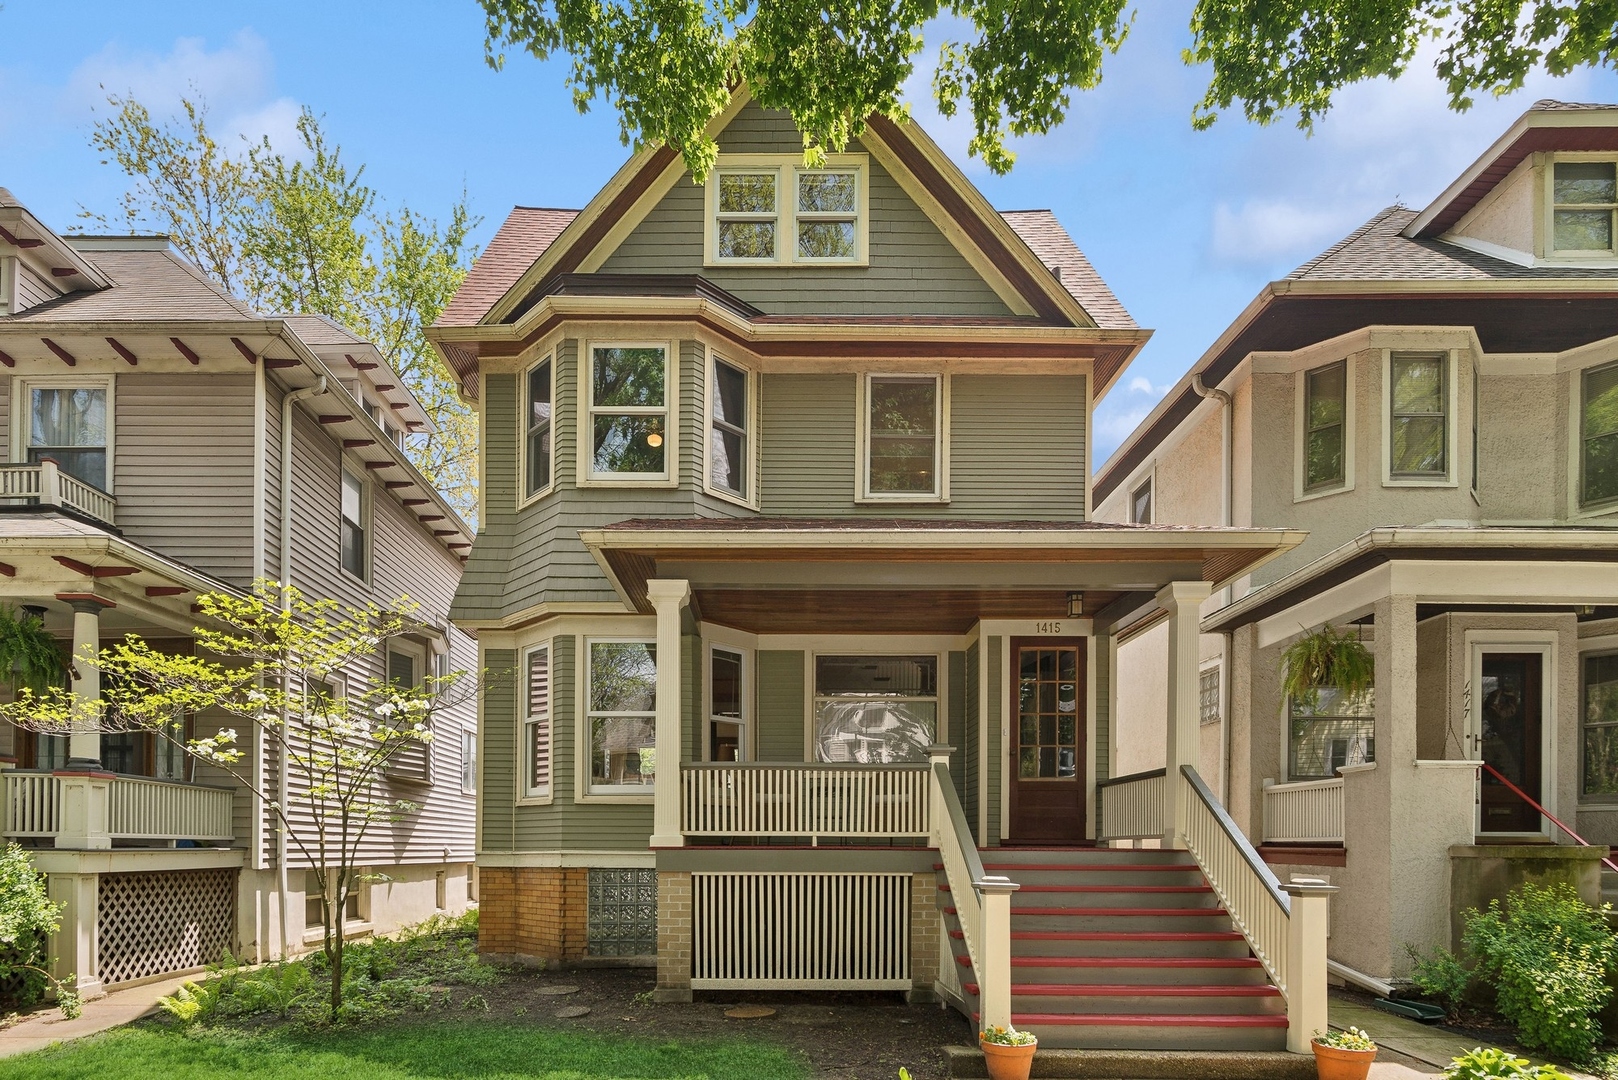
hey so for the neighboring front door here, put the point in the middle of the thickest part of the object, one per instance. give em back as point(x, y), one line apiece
point(1046, 800)
point(1510, 727)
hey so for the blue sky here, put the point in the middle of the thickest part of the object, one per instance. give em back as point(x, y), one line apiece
point(1185, 226)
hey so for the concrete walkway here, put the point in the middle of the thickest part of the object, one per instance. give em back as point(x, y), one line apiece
point(114, 1010)
point(1411, 1049)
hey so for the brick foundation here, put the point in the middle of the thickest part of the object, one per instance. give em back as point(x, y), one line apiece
point(534, 913)
point(673, 936)
point(926, 930)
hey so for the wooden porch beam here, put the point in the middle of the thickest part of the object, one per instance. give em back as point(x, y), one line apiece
point(95, 571)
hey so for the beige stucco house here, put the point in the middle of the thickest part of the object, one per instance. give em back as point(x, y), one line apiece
point(164, 440)
point(1434, 399)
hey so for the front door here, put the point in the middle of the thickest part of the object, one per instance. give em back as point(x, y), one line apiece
point(1046, 800)
point(1511, 741)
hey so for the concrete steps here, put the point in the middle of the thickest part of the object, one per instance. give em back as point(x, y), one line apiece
point(1124, 950)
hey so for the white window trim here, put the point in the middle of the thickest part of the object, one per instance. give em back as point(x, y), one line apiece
point(526, 795)
point(355, 467)
point(22, 406)
point(1452, 388)
point(523, 497)
point(749, 498)
point(1300, 433)
point(941, 407)
point(1577, 507)
point(469, 737)
point(1548, 250)
point(584, 439)
point(749, 748)
point(1603, 645)
point(862, 647)
point(583, 790)
point(1547, 644)
point(787, 167)
point(1148, 478)
point(419, 654)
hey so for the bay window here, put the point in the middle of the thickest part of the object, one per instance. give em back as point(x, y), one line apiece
point(628, 416)
point(1600, 721)
point(622, 716)
point(1418, 416)
point(729, 421)
point(536, 727)
point(1598, 436)
point(1325, 411)
point(875, 709)
point(537, 428)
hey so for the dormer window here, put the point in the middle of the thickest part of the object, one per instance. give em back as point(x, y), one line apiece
point(769, 210)
point(1584, 196)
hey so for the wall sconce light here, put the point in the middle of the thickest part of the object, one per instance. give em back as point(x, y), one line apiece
point(1075, 605)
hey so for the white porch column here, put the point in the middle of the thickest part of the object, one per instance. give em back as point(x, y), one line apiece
point(84, 744)
point(668, 597)
point(74, 947)
point(1183, 601)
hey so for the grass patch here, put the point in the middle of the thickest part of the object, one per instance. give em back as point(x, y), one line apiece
point(439, 1049)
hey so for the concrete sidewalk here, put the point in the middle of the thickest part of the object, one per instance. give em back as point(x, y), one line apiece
point(114, 1010)
point(1416, 1049)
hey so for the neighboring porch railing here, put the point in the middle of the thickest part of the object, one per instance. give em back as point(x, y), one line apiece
point(46, 484)
point(137, 808)
point(1309, 812)
point(1485, 767)
point(890, 801)
point(1133, 807)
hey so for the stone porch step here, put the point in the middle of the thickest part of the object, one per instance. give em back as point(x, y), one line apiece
point(966, 1063)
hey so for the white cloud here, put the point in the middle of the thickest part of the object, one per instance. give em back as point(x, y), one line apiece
point(1263, 229)
point(1140, 384)
point(277, 121)
point(232, 78)
point(1113, 426)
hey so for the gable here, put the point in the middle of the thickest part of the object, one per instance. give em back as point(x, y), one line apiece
point(913, 268)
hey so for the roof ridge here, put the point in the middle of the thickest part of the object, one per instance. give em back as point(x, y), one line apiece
point(1374, 220)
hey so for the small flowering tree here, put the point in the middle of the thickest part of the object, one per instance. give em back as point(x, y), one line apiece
point(272, 660)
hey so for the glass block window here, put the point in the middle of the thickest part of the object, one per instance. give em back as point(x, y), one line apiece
point(622, 919)
point(1208, 696)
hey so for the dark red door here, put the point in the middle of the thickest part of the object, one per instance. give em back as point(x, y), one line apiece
point(1046, 801)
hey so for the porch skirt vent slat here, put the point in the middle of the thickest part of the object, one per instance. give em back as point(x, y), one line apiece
point(784, 931)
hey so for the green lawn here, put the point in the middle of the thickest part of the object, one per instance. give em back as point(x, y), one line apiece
point(448, 1049)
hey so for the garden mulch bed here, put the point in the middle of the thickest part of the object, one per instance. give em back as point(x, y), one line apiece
point(856, 1036)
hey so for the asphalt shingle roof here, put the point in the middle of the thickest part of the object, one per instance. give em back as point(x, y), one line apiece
point(148, 285)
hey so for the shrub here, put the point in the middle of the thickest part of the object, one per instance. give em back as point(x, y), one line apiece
point(27, 919)
point(1439, 975)
point(1547, 953)
point(1481, 1064)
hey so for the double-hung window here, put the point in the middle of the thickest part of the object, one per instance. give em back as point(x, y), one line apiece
point(1601, 724)
point(904, 439)
point(623, 716)
point(1140, 503)
point(1598, 436)
point(1418, 416)
point(875, 709)
point(537, 427)
point(1325, 415)
point(629, 390)
point(727, 711)
point(70, 425)
point(1584, 198)
point(469, 761)
point(405, 670)
point(729, 420)
point(771, 210)
point(536, 727)
point(827, 219)
point(1330, 732)
point(748, 220)
point(353, 547)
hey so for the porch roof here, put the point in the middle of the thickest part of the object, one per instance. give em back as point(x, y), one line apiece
point(1435, 543)
point(769, 574)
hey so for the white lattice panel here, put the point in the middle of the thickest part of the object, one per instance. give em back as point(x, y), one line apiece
point(801, 931)
point(162, 922)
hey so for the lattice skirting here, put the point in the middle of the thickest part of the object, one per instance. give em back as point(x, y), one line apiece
point(785, 931)
point(157, 923)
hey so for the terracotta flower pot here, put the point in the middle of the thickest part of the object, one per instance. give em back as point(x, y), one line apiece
point(1008, 1062)
point(1334, 1064)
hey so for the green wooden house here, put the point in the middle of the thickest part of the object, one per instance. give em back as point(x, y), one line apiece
point(786, 547)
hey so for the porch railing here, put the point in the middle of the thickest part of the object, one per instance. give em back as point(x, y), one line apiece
point(815, 801)
point(1133, 807)
point(1310, 812)
point(137, 808)
point(46, 484)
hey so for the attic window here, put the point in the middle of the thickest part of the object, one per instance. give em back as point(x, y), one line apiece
point(769, 210)
point(1584, 199)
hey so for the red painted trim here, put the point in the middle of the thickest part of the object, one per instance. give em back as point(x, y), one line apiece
point(426, 517)
point(1283, 855)
point(118, 348)
point(335, 419)
point(1134, 990)
point(355, 444)
point(381, 465)
point(414, 502)
point(1128, 912)
point(165, 590)
point(6, 359)
point(64, 271)
point(1050, 868)
point(241, 347)
point(7, 569)
point(398, 404)
point(19, 242)
point(1117, 888)
point(384, 387)
point(1143, 1020)
point(358, 365)
point(395, 485)
point(1125, 935)
point(95, 571)
point(67, 357)
point(446, 532)
point(1135, 961)
point(185, 350)
point(273, 363)
point(69, 597)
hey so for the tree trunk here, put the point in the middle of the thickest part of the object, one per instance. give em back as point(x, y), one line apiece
point(337, 963)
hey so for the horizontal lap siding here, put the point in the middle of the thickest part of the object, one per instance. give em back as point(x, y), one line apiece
point(780, 705)
point(992, 786)
point(183, 468)
point(1017, 446)
point(809, 447)
point(913, 268)
point(957, 721)
point(566, 824)
point(31, 289)
point(969, 739)
point(497, 741)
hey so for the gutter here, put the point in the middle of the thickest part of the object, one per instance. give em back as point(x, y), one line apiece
point(1227, 511)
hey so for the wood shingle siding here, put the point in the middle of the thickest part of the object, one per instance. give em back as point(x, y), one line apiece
point(185, 486)
point(913, 267)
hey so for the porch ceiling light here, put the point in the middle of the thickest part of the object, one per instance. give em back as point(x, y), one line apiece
point(1075, 605)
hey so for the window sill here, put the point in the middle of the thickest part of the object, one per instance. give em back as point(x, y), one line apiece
point(787, 264)
point(1323, 493)
point(353, 929)
point(731, 497)
point(902, 500)
point(529, 500)
point(1419, 482)
point(620, 795)
point(536, 800)
point(629, 482)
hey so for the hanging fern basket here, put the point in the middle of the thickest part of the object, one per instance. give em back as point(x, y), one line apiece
point(1325, 658)
point(29, 657)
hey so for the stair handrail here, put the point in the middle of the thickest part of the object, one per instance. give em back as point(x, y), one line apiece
point(1484, 766)
point(982, 901)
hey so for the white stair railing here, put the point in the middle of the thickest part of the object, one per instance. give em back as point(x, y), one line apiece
point(1285, 925)
point(982, 902)
point(1133, 807)
point(32, 802)
point(1310, 812)
point(764, 799)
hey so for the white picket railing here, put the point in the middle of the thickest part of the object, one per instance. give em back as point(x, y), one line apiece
point(141, 809)
point(32, 803)
point(46, 484)
point(1310, 812)
point(805, 800)
point(1133, 807)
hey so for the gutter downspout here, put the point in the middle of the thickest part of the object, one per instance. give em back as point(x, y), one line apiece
point(1227, 485)
point(285, 575)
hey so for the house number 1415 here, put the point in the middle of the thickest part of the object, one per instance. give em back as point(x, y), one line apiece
point(1048, 628)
